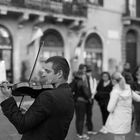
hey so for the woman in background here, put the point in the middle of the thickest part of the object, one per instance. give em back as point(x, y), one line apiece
point(120, 107)
point(102, 96)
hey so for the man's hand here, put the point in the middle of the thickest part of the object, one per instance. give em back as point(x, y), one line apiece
point(5, 91)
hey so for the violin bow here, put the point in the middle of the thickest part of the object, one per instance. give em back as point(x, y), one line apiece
point(41, 45)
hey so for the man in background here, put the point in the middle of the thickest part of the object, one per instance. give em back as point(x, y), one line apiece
point(92, 84)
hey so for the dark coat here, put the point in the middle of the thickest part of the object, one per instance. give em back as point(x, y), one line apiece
point(136, 87)
point(48, 118)
point(128, 77)
point(80, 89)
point(103, 93)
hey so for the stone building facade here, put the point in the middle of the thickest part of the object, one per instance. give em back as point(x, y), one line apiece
point(87, 31)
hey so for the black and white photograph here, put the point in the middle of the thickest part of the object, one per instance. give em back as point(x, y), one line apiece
point(69, 70)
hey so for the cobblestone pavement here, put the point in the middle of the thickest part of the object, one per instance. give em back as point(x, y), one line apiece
point(8, 132)
point(97, 125)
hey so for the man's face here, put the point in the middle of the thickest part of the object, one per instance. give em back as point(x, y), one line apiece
point(84, 70)
point(48, 73)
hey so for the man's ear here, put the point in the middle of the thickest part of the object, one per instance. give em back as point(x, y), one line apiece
point(60, 74)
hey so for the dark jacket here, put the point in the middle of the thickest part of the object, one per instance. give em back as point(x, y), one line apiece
point(48, 118)
point(80, 89)
point(128, 77)
point(136, 87)
point(103, 93)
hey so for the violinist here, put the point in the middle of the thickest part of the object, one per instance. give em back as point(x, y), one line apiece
point(49, 117)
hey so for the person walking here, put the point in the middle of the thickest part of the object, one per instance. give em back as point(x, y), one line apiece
point(136, 87)
point(136, 70)
point(50, 115)
point(102, 96)
point(120, 107)
point(127, 74)
point(82, 97)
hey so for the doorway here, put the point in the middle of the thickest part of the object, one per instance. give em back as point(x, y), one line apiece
point(131, 49)
point(93, 53)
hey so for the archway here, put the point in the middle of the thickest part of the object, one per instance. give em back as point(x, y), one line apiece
point(6, 49)
point(93, 53)
point(53, 44)
point(131, 49)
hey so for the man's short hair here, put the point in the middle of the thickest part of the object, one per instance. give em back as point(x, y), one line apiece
point(89, 69)
point(60, 63)
point(81, 66)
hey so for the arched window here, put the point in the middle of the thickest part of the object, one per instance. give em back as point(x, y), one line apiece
point(93, 53)
point(93, 41)
point(53, 43)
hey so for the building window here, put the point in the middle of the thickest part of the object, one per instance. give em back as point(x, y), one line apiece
point(96, 2)
point(132, 8)
point(131, 48)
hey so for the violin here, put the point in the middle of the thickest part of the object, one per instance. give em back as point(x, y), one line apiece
point(27, 89)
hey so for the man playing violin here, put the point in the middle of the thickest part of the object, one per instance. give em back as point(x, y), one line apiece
point(49, 117)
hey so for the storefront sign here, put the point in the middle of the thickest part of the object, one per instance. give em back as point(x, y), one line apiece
point(113, 34)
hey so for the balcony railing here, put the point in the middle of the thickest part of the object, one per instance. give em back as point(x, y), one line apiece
point(53, 6)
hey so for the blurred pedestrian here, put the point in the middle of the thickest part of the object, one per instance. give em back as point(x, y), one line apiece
point(137, 70)
point(136, 87)
point(102, 96)
point(73, 84)
point(92, 85)
point(81, 97)
point(49, 117)
point(127, 74)
point(120, 107)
